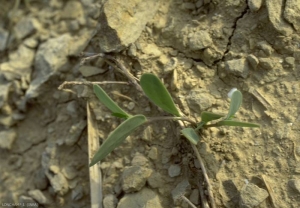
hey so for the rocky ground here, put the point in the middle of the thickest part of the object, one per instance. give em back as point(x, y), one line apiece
point(200, 49)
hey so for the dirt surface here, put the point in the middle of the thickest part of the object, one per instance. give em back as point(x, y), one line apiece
point(200, 50)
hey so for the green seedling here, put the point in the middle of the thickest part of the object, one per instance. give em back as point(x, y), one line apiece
point(159, 95)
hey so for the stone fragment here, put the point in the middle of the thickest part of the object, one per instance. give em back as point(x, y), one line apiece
point(199, 3)
point(110, 201)
point(238, 67)
point(31, 43)
point(139, 160)
point(26, 26)
point(4, 91)
point(295, 185)
point(253, 61)
point(75, 132)
point(266, 63)
point(292, 13)
point(40, 180)
point(174, 170)
point(122, 22)
point(134, 178)
point(88, 71)
point(153, 153)
point(254, 5)
point(180, 190)
point(72, 10)
point(77, 193)
point(151, 50)
point(7, 138)
point(69, 172)
point(52, 56)
point(194, 197)
point(3, 39)
point(38, 196)
point(144, 198)
point(199, 101)
point(155, 180)
point(188, 6)
point(59, 183)
point(251, 196)
point(199, 40)
point(275, 9)
point(267, 48)
point(26, 200)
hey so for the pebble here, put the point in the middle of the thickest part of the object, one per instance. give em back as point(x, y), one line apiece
point(267, 48)
point(26, 26)
point(31, 43)
point(38, 196)
point(110, 201)
point(88, 71)
point(130, 105)
point(77, 193)
point(153, 153)
point(40, 180)
point(7, 138)
point(199, 101)
point(3, 39)
point(253, 61)
point(194, 197)
point(144, 198)
point(4, 91)
point(134, 178)
point(291, 13)
point(238, 67)
point(59, 183)
point(199, 3)
point(266, 63)
point(251, 196)
point(189, 6)
point(139, 160)
point(254, 5)
point(69, 172)
point(180, 190)
point(155, 180)
point(199, 40)
point(295, 185)
point(26, 200)
point(72, 10)
point(75, 132)
point(174, 170)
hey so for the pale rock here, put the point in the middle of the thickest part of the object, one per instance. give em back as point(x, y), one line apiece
point(199, 40)
point(4, 91)
point(194, 197)
point(26, 199)
point(59, 183)
point(253, 61)
point(251, 196)
point(139, 160)
point(266, 63)
point(254, 5)
point(7, 138)
point(88, 71)
point(180, 190)
point(31, 43)
point(134, 178)
point(238, 67)
point(72, 10)
point(275, 11)
point(155, 180)
point(295, 185)
point(122, 22)
point(153, 153)
point(69, 172)
point(26, 26)
point(75, 132)
point(292, 13)
point(151, 50)
point(77, 193)
point(110, 201)
point(174, 170)
point(199, 101)
point(144, 198)
point(38, 196)
point(199, 3)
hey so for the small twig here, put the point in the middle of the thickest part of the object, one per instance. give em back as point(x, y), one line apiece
point(151, 119)
point(87, 83)
point(270, 190)
point(203, 198)
point(188, 201)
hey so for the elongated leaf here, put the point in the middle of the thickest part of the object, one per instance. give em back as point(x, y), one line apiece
point(158, 94)
point(109, 103)
point(191, 135)
point(209, 116)
point(236, 101)
point(237, 123)
point(116, 137)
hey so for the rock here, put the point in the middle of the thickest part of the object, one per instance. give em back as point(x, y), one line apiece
point(253, 61)
point(110, 201)
point(194, 197)
point(88, 71)
point(77, 193)
point(267, 48)
point(3, 39)
point(254, 5)
point(292, 13)
point(72, 10)
point(199, 40)
point(4, 91)
point(121, 23)
point(40, 180)
point(26, 26)
point(199, 3)
point(251, 196)
point(151, 50)
point(295, 185)
point(238, 67)
point(26, 199)
point(75, 132)
point(7, 138)
point(144, 198)
point(15, 162)
point(58, 182)
point(174, 170)
point(199, 101)
point(266, 63)
point(188, 6)
point(139, 160)
point(155, 180)
point(134, 178)
point(180, 190)
point(52, 56)
point(153, 153)
point(69, 172)
point(31, 43)
point(38, 196)
point(275, 9)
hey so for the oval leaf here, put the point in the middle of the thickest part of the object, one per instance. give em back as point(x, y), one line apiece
point(235, 104)
point(158, 94)
point(209, 116)
point(116, 137)
point(109, 103)
point(237, 123)
point(191, 135)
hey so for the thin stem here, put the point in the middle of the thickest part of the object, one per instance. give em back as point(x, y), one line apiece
point(151, 119)
point(188, 201)
point(72, 83)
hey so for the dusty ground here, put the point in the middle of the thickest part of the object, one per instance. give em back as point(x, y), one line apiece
point(200, 49)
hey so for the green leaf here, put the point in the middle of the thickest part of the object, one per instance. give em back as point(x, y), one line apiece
point(237, 123)
point(191, 135)
point(119, 115)
point(158, 94)
point(236, 101)
point(109, 103)
point(116, 137)
point(208, 116)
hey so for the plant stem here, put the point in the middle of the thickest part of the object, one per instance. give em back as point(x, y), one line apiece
point(151, 119)
point(188, 201)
